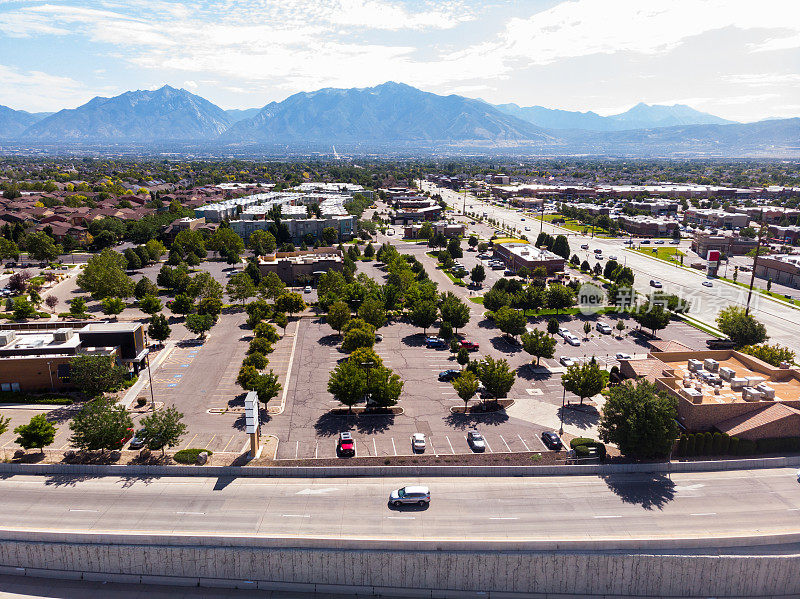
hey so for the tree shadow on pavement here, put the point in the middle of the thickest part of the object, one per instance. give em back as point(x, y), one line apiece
point(584, 418)
point(504, 345)
point(373, 423)
point(63, 414)
point(464, 422)
point(68, 480)
point(528, 372)
point(487, 324)
point(414, 340)
point(330, 340)
point(651, 490)
point(329, 424)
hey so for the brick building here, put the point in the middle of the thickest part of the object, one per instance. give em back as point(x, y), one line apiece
point(302, 266)
point(517, 255)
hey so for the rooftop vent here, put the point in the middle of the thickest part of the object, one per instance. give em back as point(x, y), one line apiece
point(7, 337)
point(63, 335)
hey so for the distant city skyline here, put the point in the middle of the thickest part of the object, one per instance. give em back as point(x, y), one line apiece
point(736, 59)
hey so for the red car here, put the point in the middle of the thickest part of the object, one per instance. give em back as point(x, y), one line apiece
point(128, 436)
point(469, 345)
point(346, 446)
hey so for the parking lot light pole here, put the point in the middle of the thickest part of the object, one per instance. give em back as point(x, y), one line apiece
point(149, 373)
point(563, 399)
point(368, 366)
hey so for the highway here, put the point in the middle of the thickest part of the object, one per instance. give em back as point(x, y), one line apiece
point(630, 506)
point(781, 320)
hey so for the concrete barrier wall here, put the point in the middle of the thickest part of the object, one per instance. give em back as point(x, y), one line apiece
point(383, 571)
point(395, 471)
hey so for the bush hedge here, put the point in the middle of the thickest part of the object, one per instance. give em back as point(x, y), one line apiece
point(583, 445)
point(720, 444)
point(31, 398)
point(189, 456)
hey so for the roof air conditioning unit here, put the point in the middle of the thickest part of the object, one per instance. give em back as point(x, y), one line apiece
point(63, 335)
point(7, 337)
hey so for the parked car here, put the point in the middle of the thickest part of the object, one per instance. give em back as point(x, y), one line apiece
point(509, 273)
point(448, 375)
point(563, 332)
point(572, 340)
point(476, 441)
point(603, 328)
point(674, 241)
point(585, 246)
point(434, 342)
point(659, 242)
point(527, 228)
point(497, 265)
point(707, 284)
point(623, 356)
point(390, 232)
point(645, 242)
point(484, 256)
point(567, 361)
point(418, 442)
point(137, 442)
point(469, 345)
point(307, 289)
point(345, 446)
point(656, 284)
point(552, 440)
point(628, 242)
point(612, 257)
point(410, 495)
point(378, 337)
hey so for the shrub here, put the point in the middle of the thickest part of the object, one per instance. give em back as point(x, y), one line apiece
point(691, 446)
point(682, 445)
point(716, 447)
point(583, 447)
point(189, 456)
point(580, 441)
point(747, 447)
point(734, 446)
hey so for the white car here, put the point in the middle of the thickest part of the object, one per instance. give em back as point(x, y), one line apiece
point(707, 284)
point(527, 228)
point(565, 361)
point(603, 328)
point(307, 289)
point(418, 442)
point(572, 340)
point(612, 257)
point(563, 332)
point(390, 231)
point(623, 356)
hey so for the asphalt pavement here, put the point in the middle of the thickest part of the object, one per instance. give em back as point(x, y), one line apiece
point(626, 506)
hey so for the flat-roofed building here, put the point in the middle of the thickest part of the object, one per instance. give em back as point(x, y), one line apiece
point(729, 244)
point(648, 226)
point(445, 228)
point(302, 266)
point(715, 218)
point(662, 207)
point(518, 255)
point(781, 268)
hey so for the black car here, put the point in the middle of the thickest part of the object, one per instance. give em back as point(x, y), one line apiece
point(552, 440)
point(448, 375)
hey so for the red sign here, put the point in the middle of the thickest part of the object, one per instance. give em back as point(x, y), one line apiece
point(713, 256)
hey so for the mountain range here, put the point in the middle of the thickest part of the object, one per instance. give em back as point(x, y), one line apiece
point(395, 115)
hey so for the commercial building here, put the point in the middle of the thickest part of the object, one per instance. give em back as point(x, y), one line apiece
point(728, 243)
point(789, 234)
point(517, 255)
point(647, 226)
point(661, 207)
point(348, 189)
point(771, 215)
point(302, 266)
point(715, 218)
point(781, 268)
point(443, 227)
point(726, 391)
point(528, 203)
point(37, 357)
point(415, 215)
point(299, 228)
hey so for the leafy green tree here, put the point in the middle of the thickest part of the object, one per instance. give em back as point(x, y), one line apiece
point(77, 306)
point(23, 309)
point(640, 420)
point(240, 287)
point(264, 330)
point(257, 360)
point(652, 316)
point(478, 274)
point(280, 319)
point(620, 326)
point(182, 304)
point(104, 276)
point(472, 241)
point(189, 242)
point(454, 248)
point(496, 376)
point(358, 337)
point(134, 262)
point(496, 298)
point(101, 424)
point(369, 251)
point(423, 315)
point(112, 306)
point(4, 422)
point(771, 354)
point(38, 433)
point(155, 249)
point(266, 386)
point(559, 297)
point(203, 285)
point(338, 315)
point(211, 306)
point(159, 328)
point(552, 326)
point(584, 380)
point(8, 249)
point(462, 357)
point(145, 287)
point(384, 387)
point(510, 321)
point(561, 247)
point(163, 429)
point(95, 374)
point(290, 303)
point(41, 246)
point(741, 327)
point(466, 385)
point(261, 242)
point(454, 311)
point(539, 344)
point(348, 383)
point(247, 376)
point(199, 324)
point(227, 243)
point(373, 312)
point(329, 235)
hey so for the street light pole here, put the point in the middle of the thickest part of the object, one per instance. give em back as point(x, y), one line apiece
point(149, 374)
point(563, 399)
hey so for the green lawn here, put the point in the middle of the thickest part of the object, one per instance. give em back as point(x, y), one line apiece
point(772, 294)
point(575, 225)
point(666, 253)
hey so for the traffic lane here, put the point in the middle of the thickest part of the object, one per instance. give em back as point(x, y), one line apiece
point(562, 507)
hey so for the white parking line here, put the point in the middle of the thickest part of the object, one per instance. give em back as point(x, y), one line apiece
point(506, 444)
point(393, 447)
point(374, 446)
point(523, 442)
point(704, 514)
point(489, 447)
point(296, 449)
point(453, 451)
point(433, 449)
point(598, 517)
point(503, 518)
point(316, 449)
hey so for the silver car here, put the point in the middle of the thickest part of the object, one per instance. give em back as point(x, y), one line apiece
point(476, 441)
point(410, 495)
point(418, 442)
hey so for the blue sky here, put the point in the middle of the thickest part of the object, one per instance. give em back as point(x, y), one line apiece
point(739, 59)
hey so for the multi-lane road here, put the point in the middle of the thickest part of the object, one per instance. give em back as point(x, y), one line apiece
point(625, 506)
point(782, 321)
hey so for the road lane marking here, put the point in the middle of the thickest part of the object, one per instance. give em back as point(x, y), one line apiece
point(608, 517)
point(453, 451)
point(296, 448)
point(704, 514)
point(316, 449)
point(503, 518)
point(295, 515)
point(191, 513)
point(374, 446)
point(525, 444)
point(506, 444)
point(400, 517)
point(75, 510)
point(393, 447)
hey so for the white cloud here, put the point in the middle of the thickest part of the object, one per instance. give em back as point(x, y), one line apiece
point(764, 79)
point(38, 90)
point(190, 85)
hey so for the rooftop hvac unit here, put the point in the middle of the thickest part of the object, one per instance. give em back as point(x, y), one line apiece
point(63, 335)
point(7, 337)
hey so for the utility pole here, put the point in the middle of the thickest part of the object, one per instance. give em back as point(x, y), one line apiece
point(149, 375)
point(755, 261)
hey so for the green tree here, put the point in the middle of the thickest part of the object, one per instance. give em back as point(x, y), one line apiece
point(8, 249)
point(182, 304)
point(741, 327)
point(454, 311)
point(77, 306)
point(771, 354)
point(95, 374)
point(552, 326)
point(163, 429)
point(348, 383)
point(211, 306)
point(4, 422)
point(112, 306)
point(561, 247)
point(266, 386)
point(357, 337)
point(261, 242)
point(23, 309)
point(584, 380)
point(423, 315)
point(466, 385)
point(496, 376)
point(496, 298)
point(256, 359)
point(145, 287)
point(640, 420)
point(264, 330)
point(539, 344)
point(653, 317)
point(240, 287)
point(203, 285)
point(454, 248)
point(620, 326)
point(329, 235)
point(280, 319)
point(101, 424)
point(199, 324)
point(227, 243)
point(478, 274)
point(159, 328)
point(41, 246)
point(510, 321)
point(247, 376)
point(272, 287)
point(104, 276)
point(472, 241)
point(38, 433)
point(189, 242)
point(384, 387)
point(290, 303)
point(338, 316)
point(373, 312)
point(462, 357)
point(559, 297)
point(150, 305)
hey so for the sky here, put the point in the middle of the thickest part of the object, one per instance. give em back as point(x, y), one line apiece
point(738, 59)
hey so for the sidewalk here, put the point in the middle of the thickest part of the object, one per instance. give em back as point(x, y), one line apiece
point(134, 391)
